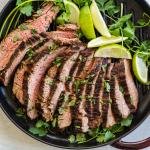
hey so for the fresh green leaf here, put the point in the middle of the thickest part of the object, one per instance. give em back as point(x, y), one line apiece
point(144, 21)
point(127, 121)
point(116, 128)
point(108, 136)
point(129, 30)
point(107, 86)
point(80, 137)
point(108, 6)
point(72, 139)
point(100, 138)
point(38, 131)
point(26, 9)
point(40, 128)
point(81, 3)
point(20, 113)
point(120, 22)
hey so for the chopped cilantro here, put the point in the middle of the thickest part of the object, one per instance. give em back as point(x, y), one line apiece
point(72, 139)
point(127, 121)
point(20, 113)
point(23, 27)
point(80, 138)
point(58, 61)
point(33, 31)
point(40, 128)
point(27, 8)
point(107, 85)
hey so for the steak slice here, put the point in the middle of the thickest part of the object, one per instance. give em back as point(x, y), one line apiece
point(14, 41)
point(127, 84)
point(10, 68)
point(34, 80)
point(64, 37)
point(46, 89)
point(62, 78)
point(81, 119)
point(92, 104)
point(69, 87)
point(21, 76)
point(107, 116)
point(119, 107)
point(68, 27)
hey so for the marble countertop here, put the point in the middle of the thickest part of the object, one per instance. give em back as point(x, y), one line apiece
point(12, 138)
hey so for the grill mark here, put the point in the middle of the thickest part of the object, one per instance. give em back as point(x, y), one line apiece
point(91, 106)
point(105, 95)
point(35, 45)
point(114, 105)
point(120, 71)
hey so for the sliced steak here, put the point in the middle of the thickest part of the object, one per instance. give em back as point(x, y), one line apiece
point(92, 104)
point(14, 42)
point(119, 107)
point(34, 81)
point(46, 90)
point(68, 27)
point(81, 120)
point(127, 84)
point(64, 37)
point(130, 83)
point(10, 68)
point(107, 116)
point(67, 66)
point(21, 76)
point(18, 85)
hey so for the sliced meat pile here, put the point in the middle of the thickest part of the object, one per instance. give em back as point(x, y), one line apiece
point(57, 77)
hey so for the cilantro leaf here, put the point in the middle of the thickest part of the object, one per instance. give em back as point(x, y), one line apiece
point(80, 137)
point(72, 139)
point(108, 6)
point(40, 128)
point(26, 9)
point(120, 22)
point(108, 136)
point(127, 121)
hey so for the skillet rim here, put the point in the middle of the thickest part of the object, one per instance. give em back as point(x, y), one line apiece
point(16, 123)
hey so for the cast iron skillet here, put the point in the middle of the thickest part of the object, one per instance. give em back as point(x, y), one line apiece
point(9, 105)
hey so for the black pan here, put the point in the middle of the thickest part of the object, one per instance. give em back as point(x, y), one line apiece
point(9, 105)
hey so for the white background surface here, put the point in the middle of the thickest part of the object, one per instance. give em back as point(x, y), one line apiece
point(11, 138)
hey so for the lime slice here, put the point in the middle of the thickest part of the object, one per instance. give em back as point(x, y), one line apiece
point(140, 69)
point(86, 23)
point(98, 20)
point(114, 51)
point(101, 41)
point(73, 11)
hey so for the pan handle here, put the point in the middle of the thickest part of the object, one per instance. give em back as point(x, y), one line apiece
point(132, 145)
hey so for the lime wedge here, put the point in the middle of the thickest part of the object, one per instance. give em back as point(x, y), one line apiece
point(98, 20)
point(101, 41)
point(114, 51)
point(74, 11)
point(86, 23)
point(140, 69)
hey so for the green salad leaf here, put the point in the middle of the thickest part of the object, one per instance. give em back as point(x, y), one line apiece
point(41, 128)
point(26, 9)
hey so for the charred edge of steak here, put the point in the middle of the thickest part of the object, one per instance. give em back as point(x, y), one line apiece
point(105, 95)
point(92, 106)
point(120, 68)
point(36, 43)
point(114, 105)
point(45, 100)
point(20, 48)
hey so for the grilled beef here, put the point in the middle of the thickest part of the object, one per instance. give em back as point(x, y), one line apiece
point(92, 104)
point(15, 45)
point(21, 76)
point(34, 80)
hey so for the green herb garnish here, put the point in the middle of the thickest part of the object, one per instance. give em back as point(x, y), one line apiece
point(40, 128)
